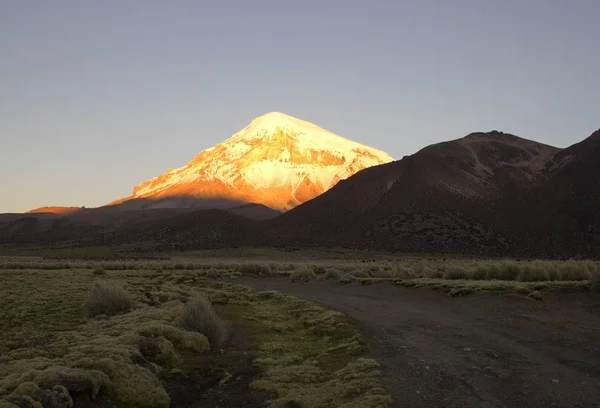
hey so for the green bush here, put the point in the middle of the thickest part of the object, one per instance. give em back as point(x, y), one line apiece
point(107, 299)
point(198, 315)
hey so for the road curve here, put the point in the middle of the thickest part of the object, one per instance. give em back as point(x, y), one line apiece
point(482, 350)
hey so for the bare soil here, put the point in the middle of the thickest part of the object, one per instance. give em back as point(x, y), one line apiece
point(482, 350)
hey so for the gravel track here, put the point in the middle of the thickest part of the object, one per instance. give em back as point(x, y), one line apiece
point(482, 350)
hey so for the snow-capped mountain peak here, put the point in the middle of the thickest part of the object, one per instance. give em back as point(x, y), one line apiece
point(277, 160)
point(270, 122)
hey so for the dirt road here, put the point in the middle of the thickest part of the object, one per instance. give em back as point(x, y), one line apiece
point(482, 350)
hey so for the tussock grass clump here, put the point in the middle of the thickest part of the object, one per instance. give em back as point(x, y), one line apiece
point(509, 271)
point(382, 274)
point(574, 271)
point(595, 285)
point(332, 274)
point(479, 272)
point(404, 272)
point(303, 273)
point(161, 351)
point(188, 340)
point(133, 385)
point(535, 295)
point(29, 265)
point(456, 272)
point(345, 279)
point(212, 273)
point(198, 315)
point(360, 273)
point(461, 291)
point(255, 269)
point(99, 271)
point(107, 299)
point(535, 272)
point(493, 272)
point(28, 394)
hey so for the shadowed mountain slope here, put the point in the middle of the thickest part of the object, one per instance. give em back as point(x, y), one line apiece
point(482, 194)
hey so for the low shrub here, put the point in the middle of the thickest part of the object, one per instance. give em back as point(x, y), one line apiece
point(107, 299)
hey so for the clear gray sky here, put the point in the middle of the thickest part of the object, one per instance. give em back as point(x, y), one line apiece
point(97, 96)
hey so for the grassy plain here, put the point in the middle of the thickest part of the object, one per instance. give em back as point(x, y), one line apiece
point(60, 347)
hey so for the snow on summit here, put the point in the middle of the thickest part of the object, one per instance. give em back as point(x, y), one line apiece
point(277, 160)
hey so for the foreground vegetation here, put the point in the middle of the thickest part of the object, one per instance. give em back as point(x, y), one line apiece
point(99, 331)
point(119, 330)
